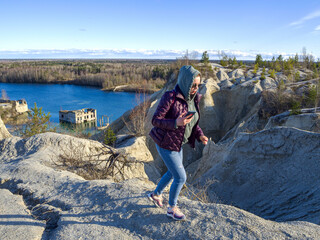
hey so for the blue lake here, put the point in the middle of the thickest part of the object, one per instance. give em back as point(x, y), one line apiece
point(55, 97)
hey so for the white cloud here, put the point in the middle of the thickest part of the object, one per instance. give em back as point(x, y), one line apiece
point(310, 16)
point(132, 53)
point(317, 28)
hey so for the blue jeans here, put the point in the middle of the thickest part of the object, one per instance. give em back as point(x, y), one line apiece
point(173, 161)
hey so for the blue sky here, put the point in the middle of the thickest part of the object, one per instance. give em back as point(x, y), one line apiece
point(157, 28)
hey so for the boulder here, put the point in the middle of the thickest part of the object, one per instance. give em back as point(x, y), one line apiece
point(281, 77)
point(222, 75)
point(273, 173)
point(236, 73)
point(269, 83)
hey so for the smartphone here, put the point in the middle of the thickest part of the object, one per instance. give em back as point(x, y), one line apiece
point(190, 114)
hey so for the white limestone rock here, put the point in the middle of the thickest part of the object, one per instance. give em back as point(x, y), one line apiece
point(3, 131)
point(237, 73)
point(281, 77)
point(52, 148)
point(225, 84)
point(304, 121)
point(102, 209)
point(250, 74)
point(273, 173)
point(269, 83)
point(16, 221)
point(136, 148)
point(222, 75)
point(240, 80)
point(216, 65)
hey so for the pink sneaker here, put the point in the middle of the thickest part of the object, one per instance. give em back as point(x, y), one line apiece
point(157, 200)
point(175, 213)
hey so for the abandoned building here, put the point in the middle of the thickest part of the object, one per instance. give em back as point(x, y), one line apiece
point(19, 106)
point(78, 116)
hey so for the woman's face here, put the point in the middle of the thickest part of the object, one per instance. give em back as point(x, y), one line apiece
point(195, 85)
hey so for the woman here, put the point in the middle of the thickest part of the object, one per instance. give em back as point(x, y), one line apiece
point(173, 128)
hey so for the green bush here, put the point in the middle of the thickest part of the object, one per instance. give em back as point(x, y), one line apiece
point(297, 76)
point(109, 137)
point(256, 67)
point(272, 73)
point(296, 108)
point(38, 123)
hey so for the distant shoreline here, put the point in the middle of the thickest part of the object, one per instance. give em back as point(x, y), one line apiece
point(120, 88)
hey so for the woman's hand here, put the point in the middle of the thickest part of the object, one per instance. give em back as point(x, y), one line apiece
point(204, 139)
point(182, 120)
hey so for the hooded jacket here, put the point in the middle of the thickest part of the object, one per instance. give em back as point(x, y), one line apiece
point(172, 105)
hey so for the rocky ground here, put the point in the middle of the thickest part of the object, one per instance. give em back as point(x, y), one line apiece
point(39, 201)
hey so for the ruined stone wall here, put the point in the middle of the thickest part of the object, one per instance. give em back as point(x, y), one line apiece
point(21, 106)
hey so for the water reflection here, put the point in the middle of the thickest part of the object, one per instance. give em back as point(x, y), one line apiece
point(85, 128)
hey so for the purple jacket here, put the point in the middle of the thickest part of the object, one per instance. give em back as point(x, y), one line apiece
point(164, 133)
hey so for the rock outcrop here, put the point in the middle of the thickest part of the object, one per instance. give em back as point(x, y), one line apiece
point(273, 173)
point(309, 121)
point(74, 208)
point(66, 152)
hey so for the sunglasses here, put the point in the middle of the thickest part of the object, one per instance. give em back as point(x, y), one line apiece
point(196, 85)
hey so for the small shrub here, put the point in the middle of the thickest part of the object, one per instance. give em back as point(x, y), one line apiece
point(296, 108)
point(264, 70)
point(263, 77)
point(109, 137)
point(39, 122)
point(312, 95)
point(274, 102)
point(272, 73)
point(199, 193)
point(256, 67)
point(297, 76)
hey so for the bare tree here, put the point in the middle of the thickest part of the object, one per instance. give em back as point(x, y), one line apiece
point(4, 95)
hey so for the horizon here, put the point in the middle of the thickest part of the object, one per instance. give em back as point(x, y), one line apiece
point(158, 29)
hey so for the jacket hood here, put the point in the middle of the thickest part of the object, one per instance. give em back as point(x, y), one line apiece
point(186, 76)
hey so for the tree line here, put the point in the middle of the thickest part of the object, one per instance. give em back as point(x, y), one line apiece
point(304, 61)
point(103, 74)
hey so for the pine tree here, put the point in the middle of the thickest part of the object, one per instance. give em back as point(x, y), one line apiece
point(38, 122)
point(109, 137)
point(258, 60)
point(205, 57)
